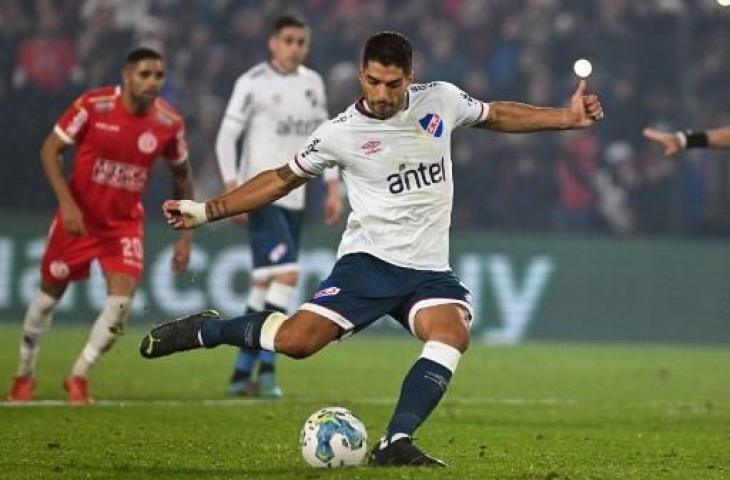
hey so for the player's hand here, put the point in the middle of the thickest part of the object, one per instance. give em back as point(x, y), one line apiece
point(670, 141)
point(181, 254)
point(332, 209)
point(73, 219)
point(184, 214)
point(585, 109)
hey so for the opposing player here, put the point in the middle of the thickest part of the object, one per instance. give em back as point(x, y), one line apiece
point(673, 142)
point(117, 133)
point(275, 106)
point(393, 148)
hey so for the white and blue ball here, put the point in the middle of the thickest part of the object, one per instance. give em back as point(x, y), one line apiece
point(333, 437)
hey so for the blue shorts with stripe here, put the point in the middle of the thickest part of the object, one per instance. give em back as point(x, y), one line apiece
point(274, 234)
point(362, 288)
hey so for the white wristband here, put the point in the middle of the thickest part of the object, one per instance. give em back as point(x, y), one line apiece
point(682, 137)
point(195, 211)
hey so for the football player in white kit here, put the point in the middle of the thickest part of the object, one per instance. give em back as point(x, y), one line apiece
point(275, 106)
point(393, 148)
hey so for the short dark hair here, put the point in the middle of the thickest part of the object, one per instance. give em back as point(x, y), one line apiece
point(287, 21)
point(142, 53)
point(389, 48)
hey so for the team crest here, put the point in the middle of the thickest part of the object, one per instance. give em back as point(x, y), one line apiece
point(147, 142)
point(59, 269)
point(278, 252)
point(327, 292)
point(311, 96)
point(433, 124)
point(371, 146)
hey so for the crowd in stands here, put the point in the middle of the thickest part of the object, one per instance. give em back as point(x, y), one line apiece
point(664, 63)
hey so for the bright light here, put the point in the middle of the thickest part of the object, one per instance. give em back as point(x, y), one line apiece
point(724, 3)
point(583, 67)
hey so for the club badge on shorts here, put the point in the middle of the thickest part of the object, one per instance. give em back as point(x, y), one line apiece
point(59, 269)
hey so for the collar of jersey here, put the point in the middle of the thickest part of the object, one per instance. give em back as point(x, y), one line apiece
point(280, 72)
point(362, 107)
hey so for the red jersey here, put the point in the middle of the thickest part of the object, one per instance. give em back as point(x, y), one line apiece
point(114, 153)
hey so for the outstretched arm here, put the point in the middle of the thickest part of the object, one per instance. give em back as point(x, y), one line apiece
point(676, 141)
point(261, 190)
point(514, 117)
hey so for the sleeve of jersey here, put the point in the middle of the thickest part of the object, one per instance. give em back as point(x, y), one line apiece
point(316, 156)
point(467, 111)
point(72, 125)
point(176, 151)
point(329, 173)
point(240, 105)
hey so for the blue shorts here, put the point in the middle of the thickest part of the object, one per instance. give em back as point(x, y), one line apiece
point(362, 288)
point(274, 235)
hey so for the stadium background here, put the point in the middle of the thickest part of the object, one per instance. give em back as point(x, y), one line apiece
point(582, 235)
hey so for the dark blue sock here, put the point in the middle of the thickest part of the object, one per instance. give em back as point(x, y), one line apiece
point(244, 331)
point(246, 357)
point(422, 390)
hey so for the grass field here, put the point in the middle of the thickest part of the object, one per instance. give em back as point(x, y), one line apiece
point(539, 411)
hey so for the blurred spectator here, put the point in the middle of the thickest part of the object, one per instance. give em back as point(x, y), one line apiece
point(614, 184)
point(655, 61)
point(47, 60)
point(575, 170)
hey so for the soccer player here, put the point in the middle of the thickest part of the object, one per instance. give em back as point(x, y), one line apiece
point(393, 148)
point(118, 133)
point(276, 105)
point(676, 141)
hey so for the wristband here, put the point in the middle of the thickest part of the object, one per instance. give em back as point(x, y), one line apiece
point(696, 139)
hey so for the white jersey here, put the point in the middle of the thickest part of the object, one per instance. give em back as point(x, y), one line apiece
point(397, 172)
point(277, 113)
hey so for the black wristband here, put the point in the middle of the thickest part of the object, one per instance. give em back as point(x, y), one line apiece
point(696, 139)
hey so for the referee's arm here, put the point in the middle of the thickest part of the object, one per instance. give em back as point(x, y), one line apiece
point(673, 142)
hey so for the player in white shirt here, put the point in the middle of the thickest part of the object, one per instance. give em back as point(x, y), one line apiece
point(274, 106)
point(392, 147)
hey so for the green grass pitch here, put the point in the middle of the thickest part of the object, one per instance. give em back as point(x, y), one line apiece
point(538, 411)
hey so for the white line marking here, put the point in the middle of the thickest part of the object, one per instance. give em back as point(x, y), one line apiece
point(255, 402)
point(251, 402)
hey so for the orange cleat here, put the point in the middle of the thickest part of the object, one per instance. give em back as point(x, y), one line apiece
point(22, 389)
point(78, 391)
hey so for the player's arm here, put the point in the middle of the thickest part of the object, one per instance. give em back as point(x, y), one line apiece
point(182, 180)
point(719, 137)
point(676, 141)
point(514, 117)
point(333, 201)
point(263, 189)
point(225, 151)
point(51, 151)
point(182, 188)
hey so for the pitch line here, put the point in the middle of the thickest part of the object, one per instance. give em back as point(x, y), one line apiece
point(243, 402)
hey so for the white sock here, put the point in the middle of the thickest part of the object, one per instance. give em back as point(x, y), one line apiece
point(37, 320)
point(108, 326)
point(279, 296)
point(257, 298)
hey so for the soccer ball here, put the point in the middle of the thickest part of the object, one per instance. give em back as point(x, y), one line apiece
point(333, 437)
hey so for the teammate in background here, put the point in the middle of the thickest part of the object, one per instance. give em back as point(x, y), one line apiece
point(118, 133)
point(676, 141)
point(393, 148)
point(276, 105)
